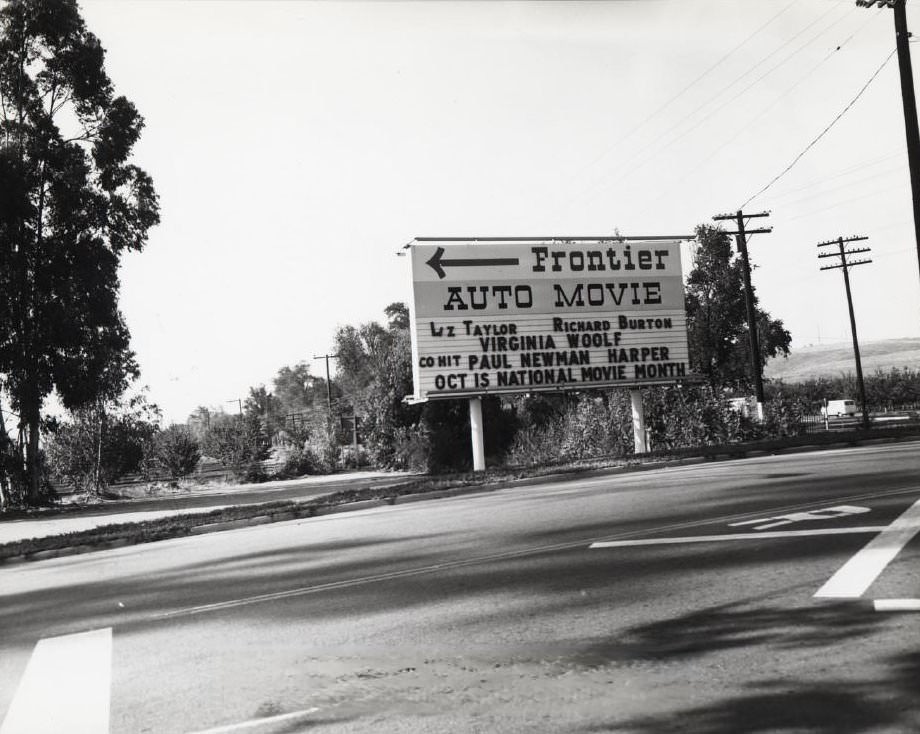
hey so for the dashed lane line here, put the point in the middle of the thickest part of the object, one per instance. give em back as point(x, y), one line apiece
point(65, 688)
point(858, 574)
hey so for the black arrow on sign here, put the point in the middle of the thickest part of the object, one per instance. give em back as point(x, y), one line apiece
point(438, 263)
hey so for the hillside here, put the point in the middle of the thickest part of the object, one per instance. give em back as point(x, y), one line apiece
point(836, 359)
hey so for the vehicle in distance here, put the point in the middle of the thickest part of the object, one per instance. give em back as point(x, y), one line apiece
point(839, 408)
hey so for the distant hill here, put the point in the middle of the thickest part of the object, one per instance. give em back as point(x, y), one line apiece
point(831, 360)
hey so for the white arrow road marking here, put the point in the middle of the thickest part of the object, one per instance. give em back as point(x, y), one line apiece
point(259, 722)
point(829, 513)
point(857, 574)
point(65, 687)
point(737, 536)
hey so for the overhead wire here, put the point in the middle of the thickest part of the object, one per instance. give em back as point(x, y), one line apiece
point(749, 123)
point(823, 132)
point(640, 153)
point(648, 118)
point(841, 173)
point(832, 189)
point(845, 202)
point(759, 79)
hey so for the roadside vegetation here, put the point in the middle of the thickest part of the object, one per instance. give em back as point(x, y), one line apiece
point(72, 202)
point(300, 425)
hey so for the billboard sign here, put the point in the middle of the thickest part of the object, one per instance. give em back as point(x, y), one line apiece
point(534, 315)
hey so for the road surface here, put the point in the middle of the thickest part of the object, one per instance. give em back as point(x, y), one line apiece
point(768, 594)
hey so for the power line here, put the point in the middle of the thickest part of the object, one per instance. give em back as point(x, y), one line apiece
point(801, 80)
point(845, 202)
point(764, 76)
point(747, 126)
point(641, 124)
point(824, 131)
point(864, 195)
point(840, 174)
point(850, 37)
point(636, 161)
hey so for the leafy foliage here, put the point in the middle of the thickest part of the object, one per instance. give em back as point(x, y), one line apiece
point(238, 443)
point(717, 331)
point(71, 204)
point(567, 428)
point(297, 463)
point(375, 374)
point(894, 389)
point(174, 452)
point(678, 417)
point(99, 444)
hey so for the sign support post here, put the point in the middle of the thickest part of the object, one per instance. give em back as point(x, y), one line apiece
point(638, 416)
point(476, 435)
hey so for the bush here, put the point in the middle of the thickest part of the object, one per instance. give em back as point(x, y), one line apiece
point(323, 447)
point(96, 447)
point(297, 463)
point(589, 425)
point(411, 449)
point(686, 416)
point(352, 459)
point(173, 452)
point(237, 443)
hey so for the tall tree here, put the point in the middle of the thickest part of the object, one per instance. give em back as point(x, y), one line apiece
point(70, 204)
point(717, 330)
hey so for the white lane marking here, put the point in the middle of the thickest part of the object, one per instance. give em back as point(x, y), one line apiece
point(65, 688)
point(897, 605)
point(828, 513)
point(737, 536)
point(857, 574)
point(258, 722)
point(523, 553)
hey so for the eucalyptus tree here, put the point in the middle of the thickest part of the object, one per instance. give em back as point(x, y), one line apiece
point(71, 203)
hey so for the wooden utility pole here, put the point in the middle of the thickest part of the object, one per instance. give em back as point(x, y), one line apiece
point(908, 100)
point(327, 357)
point(741, 236)
point(845, 265)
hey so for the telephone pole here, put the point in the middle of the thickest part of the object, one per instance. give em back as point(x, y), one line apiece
point(741, 236)
point(327, 357)
point(845, 265)
point(908, 100)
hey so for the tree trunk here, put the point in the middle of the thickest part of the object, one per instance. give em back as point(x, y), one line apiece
point(31, 413)
point(33, 463)
point(4, 479)
point(98, 468)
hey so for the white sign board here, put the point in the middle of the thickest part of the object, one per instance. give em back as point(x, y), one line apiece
point(526, 316)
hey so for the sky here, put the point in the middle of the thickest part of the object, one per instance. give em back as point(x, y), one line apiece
point(297, 146)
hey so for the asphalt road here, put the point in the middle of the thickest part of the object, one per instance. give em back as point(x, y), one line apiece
point(578, 606)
